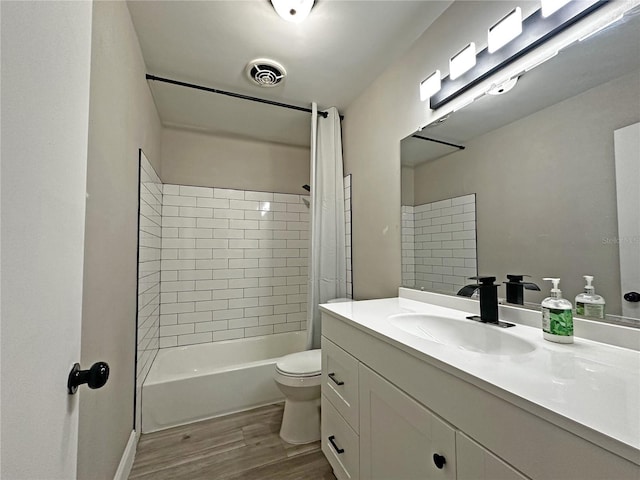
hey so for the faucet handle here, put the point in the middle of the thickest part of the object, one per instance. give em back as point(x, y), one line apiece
point(484, 280)
point(516, 278)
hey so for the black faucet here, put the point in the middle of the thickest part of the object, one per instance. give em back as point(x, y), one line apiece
point(468, 290)
point(515, 288)
point(488, 300)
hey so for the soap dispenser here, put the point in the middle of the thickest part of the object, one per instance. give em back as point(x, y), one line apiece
point(588, 304)
point(557, 316)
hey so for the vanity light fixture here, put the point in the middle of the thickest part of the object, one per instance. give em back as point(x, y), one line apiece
point(430, 86)
point(509, 40)
point(549, 7)
point(590, 34)
point(294, 11)
point(508, 28)
point(503, 87)
point(463, 61)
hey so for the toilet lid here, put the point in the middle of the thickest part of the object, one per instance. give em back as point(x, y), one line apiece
point(301, 363)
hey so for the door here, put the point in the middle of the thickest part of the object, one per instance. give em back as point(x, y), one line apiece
point(627, 153)
point(45, 118)
point(399, 438)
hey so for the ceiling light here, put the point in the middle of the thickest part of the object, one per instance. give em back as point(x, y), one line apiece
point(293, 10)
point(463, 61)
point(430, 86)
point(549, 7)
point(505, 30)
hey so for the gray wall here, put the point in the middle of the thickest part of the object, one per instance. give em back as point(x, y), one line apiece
point(546, 194)
point(389, 110)
point(122, 119)
point(200, 159)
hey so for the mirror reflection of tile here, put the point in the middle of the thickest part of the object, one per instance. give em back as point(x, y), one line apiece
point(439, 244)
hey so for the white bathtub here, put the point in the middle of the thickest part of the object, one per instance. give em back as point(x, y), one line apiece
point(187, 384)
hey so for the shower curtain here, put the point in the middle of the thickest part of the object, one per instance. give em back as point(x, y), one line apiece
point(328, 264)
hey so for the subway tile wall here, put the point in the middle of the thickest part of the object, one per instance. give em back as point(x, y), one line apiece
point(149, 246)
point(234, 264)
point(444, 244)
point(408, 247)
point(347, 219)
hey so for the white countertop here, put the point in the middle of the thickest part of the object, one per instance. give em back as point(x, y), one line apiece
point(594, 385)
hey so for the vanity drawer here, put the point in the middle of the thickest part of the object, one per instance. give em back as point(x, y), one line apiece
point(340, 444)
point(340, 381)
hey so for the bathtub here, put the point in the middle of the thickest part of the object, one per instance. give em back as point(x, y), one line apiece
point(187, 384)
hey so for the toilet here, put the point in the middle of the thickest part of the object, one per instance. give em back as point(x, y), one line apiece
point(298, 377)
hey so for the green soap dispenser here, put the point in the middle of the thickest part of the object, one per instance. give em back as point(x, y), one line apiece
point(557, 316)
point(588, 304)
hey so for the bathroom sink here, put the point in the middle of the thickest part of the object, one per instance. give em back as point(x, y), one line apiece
point(463, 334)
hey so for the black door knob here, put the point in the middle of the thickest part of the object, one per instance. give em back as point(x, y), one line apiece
point(632, 297)
point(439, 460)
point(95, 377)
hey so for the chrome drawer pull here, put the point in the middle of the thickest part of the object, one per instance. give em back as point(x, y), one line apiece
point(333, 444)
point(332, 377)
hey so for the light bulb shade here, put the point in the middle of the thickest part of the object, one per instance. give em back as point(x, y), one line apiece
point(505, 30)
point(430, 86)
point(293, 10)
point(463, 61)
point(549, 7)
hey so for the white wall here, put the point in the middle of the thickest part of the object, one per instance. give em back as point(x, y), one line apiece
point(123, 119)
point(45, 113)
point(204, 160)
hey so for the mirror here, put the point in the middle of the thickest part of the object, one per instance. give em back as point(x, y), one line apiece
point(540, 161)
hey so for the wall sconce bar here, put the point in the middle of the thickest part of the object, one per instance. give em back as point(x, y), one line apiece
point(536, 29)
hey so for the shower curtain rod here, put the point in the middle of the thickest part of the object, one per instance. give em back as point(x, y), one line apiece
point(429, 139)
point(235, 95)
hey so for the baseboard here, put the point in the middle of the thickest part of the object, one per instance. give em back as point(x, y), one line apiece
point(126, 462)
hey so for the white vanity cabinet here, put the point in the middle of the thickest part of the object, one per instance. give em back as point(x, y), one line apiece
point(340, 411)
point(477, 463)
point(386, 413)
point(373, 430)
point(399, 438)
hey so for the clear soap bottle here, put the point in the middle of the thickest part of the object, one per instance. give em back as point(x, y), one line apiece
point(588, 304)
point(557, 316)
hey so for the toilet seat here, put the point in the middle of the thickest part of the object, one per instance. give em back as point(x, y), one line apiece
point(300, 364)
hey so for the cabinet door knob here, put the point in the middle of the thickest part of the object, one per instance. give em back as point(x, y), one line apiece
point(439, 460)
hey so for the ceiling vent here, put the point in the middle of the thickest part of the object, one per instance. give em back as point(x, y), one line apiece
point(265, 73)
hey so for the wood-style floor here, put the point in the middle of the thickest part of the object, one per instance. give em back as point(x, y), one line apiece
point(244, 446)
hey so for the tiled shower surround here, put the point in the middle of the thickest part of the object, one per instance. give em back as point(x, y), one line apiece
point(149, 232)
point(234, 264)
point(347, 220)
point(439, 244)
